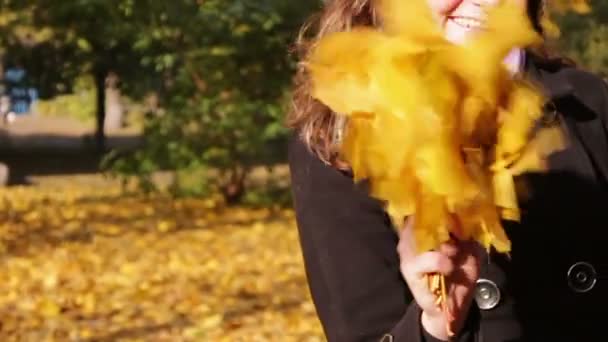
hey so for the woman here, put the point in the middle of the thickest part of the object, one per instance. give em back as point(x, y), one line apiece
point(366, 281)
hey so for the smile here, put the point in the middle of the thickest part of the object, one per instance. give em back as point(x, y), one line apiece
point(467, 22)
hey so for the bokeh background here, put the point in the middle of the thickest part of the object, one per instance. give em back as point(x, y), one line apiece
point(144, 193)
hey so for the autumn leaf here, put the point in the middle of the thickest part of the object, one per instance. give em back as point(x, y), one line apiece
point(89, 263)
point(414, 117)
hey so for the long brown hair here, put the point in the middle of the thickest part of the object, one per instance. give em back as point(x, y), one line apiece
point(313, 121)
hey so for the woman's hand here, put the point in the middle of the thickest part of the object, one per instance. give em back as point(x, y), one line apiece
point(458, 261)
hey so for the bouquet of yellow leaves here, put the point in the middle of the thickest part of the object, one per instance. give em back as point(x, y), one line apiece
point(438, 129)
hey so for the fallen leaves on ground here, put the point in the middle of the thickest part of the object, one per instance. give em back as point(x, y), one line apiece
point(89, 264)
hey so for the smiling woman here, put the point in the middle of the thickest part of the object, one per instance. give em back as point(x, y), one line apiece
point(366, 280)
point(462, 18)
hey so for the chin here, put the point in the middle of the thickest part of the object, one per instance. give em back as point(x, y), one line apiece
point(457, 36)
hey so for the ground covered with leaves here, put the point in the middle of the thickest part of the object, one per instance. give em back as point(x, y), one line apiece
point(87, 263)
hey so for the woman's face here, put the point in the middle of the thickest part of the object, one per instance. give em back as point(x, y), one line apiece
point(461, 18)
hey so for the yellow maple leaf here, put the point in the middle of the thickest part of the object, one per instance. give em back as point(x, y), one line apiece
point(434, 138)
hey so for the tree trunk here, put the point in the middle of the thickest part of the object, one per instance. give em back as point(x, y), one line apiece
point(4, 175)
point(100, 84)
point(233, 188)
point(114, 107)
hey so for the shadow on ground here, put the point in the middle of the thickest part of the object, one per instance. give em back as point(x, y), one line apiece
point(47, 154)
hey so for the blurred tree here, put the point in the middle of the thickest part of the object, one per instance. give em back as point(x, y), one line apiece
point(227, 71)
point(222, 69)
point(100, 37)
point(49, 63)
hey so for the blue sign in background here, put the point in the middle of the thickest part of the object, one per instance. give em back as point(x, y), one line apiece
point(21, 95)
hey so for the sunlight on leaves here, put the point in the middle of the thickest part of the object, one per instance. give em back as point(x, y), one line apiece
point(87, 263)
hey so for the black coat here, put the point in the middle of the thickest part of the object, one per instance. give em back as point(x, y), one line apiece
point(352, 265)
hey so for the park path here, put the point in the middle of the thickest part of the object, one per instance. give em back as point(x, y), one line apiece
point(59, 133)
point(33, 124)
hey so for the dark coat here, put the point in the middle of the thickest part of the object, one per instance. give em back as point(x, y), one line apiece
point(352, 265)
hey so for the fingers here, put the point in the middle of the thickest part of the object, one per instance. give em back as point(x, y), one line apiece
point(452, 249)
point(408, 225)
point(444, 260)
point(416, 271)
point(449, 249)
point(429, 262)
point(468, 250)
point(407, 246)
point(457, 260)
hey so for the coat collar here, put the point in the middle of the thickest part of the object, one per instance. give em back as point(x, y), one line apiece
point(583, 119)
point(555, 85)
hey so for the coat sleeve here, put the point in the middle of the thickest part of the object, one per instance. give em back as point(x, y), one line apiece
point(349, 250)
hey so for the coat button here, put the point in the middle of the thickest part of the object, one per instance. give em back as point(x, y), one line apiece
point(550, 115)
point(487, 294)
point(582, 277)
point(387, 338)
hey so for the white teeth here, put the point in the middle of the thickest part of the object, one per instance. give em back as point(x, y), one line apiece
point(468, 23)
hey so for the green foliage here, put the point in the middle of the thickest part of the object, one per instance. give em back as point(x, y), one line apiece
point(229, 78)
point(585, 37)
point(80, 104)
point(221, 69)
point(268, 195)
point(60, 41)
